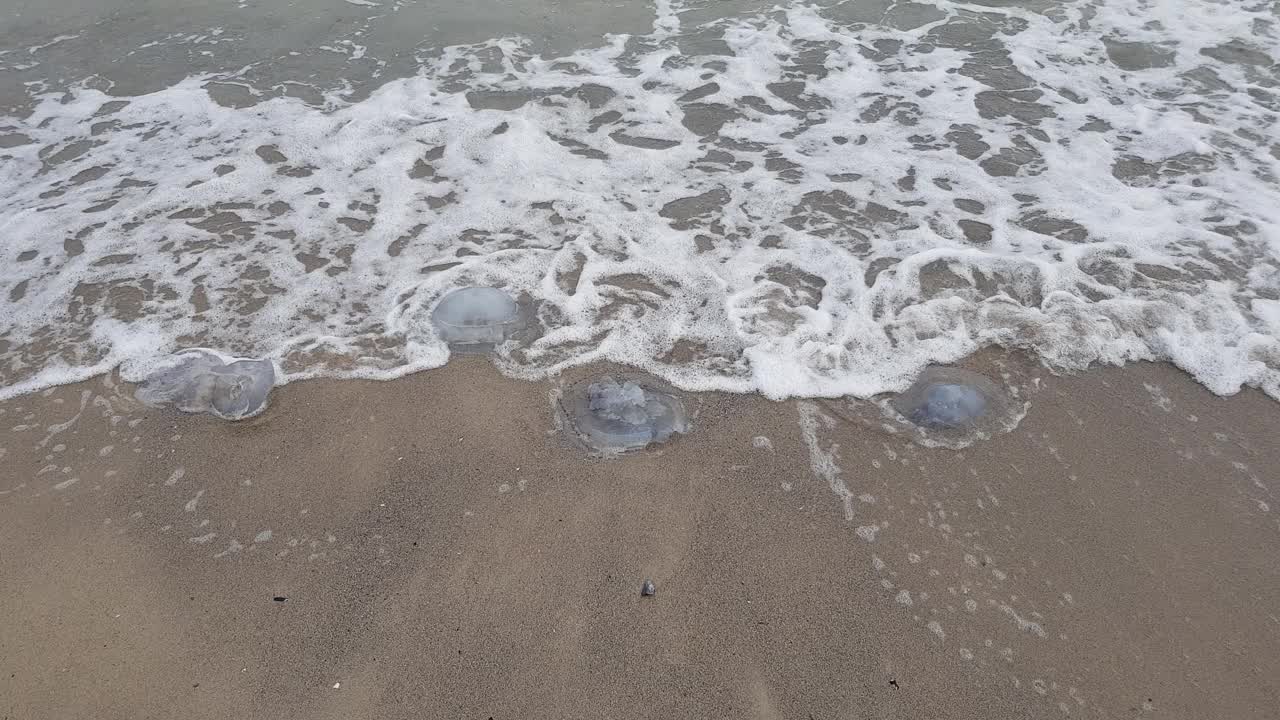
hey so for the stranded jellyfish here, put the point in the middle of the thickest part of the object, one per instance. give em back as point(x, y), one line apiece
point(613, 416)
point(948, 405)
point(475, 317)
point(953, 404)
point(198, 381)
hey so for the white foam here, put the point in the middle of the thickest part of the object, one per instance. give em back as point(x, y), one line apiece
point(824, 462)
point(824, 256)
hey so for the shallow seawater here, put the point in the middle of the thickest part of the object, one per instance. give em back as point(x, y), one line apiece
point(816, 199)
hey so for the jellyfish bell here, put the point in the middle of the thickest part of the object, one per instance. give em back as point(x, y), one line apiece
point(200, 381)
point(241, 388)
point(953, 407)
point(612, 416)
point(475, 318)
point(175, 382)
point(948, 405)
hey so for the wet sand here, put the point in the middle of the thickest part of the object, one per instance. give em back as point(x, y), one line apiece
point(437, 549)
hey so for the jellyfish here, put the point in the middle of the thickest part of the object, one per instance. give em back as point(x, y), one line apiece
point(199, 381)
point(948, 405)
point(475, 317)
point(951, 404)
point(613, 416)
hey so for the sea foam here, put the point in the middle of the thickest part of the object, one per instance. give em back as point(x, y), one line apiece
point(800, 203)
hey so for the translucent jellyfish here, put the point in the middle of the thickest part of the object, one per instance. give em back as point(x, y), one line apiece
point(948, 405)
point(173, 384)
point(953, 403)
point(200, 381)
point(475, 316)
point(613, 416)
point(240, 389)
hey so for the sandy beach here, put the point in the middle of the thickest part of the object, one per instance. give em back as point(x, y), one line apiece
point(805, 200)
point(435, 547)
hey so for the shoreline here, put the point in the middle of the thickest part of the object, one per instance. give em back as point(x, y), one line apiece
point(441, 550)
point(753, 201)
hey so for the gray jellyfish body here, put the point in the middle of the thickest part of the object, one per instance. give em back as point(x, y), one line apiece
point(612, 416)
point(199, 381)
point(954, 405)
point(948, 405)
point(475, 317)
